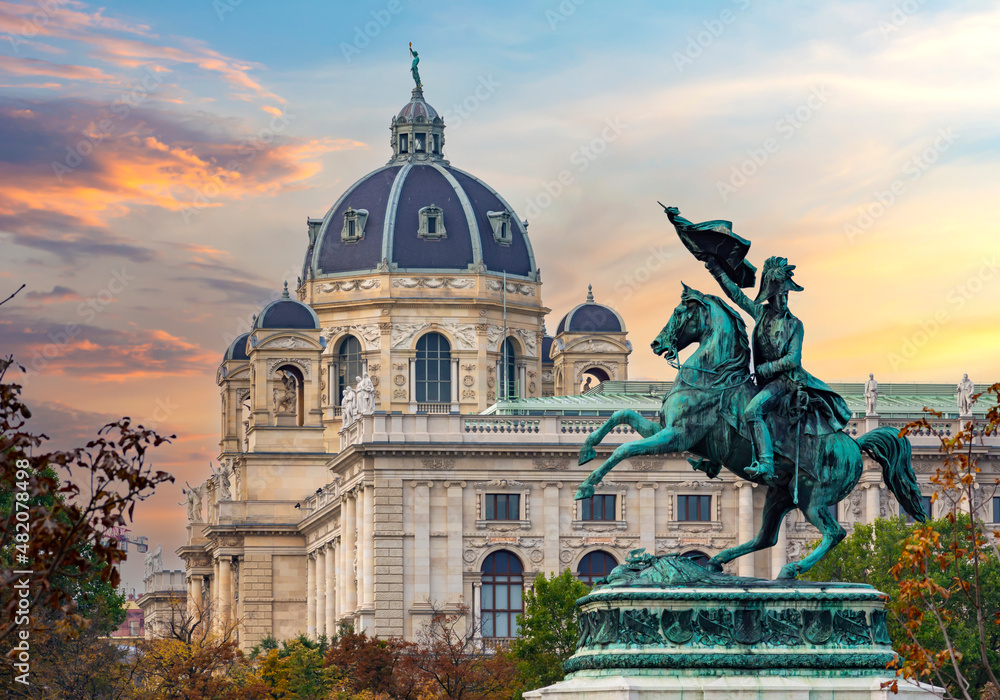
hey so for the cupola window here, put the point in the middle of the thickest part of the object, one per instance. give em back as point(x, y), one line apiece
point(432, 223)
point(354, 225)
point(404, 143)
point(435, 144)
point(420, 142)
point(501, 223)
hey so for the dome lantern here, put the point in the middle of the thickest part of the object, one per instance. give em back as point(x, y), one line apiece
point(417, 132)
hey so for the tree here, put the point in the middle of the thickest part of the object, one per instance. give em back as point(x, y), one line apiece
point(52, 527)
point(381, 666)
point(549, 629)
point(455, 662)
point(950, 580)
point(296, 670)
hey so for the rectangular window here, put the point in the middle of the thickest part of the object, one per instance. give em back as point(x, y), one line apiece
point(435, 144)
point(133, 628)
point(599, 507)
point(432, 224)
point(503, 506)
point(419, 142)
point(404, 143)
point(693, 508)
point(927, 509)
point(351, 224)
point(996, 509)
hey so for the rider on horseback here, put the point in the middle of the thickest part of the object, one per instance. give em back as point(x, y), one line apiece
point(777, 352)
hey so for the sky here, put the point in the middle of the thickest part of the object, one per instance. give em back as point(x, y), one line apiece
point(158, 162)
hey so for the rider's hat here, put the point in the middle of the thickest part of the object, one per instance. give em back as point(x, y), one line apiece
point(775, 278)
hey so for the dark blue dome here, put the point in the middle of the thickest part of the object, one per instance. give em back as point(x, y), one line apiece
point(546, 348)
point(386, 207)
point(287, 314)
point(591, 317)
point(238, 349)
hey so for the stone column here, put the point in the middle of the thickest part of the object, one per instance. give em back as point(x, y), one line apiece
point(746, 531)
point(647, 515)
point(225, 592)
point(422, 543)
point(550, 514)
point(368, 547)
point(213, 594)
point(413, 383)
point(477, 609)
point(778, 550)
point(330, 614)
point(359, 545)
point(310, 596)
point(454, 520)
point(320, 592)
point(522, 381)
point(454, 384)
point(350, 547)
point(196, 600)
point(872, 502)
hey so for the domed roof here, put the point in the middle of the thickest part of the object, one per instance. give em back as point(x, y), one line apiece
point(238, 349)
point(382, 216)
point(287, 313)
point(546, 349)
point(591, 317)
point(417, 108)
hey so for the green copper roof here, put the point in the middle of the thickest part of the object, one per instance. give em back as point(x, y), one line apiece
point(894, 400)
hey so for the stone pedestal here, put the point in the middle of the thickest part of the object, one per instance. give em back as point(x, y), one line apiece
point(663, 627)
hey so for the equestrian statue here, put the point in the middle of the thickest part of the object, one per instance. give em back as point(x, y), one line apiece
point(777, 426)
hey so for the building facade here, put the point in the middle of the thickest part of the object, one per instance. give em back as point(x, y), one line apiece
point(401, 437)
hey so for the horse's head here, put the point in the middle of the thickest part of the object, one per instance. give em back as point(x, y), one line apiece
point(685, 326)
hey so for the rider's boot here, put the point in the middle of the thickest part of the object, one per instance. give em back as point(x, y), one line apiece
point(763, 466)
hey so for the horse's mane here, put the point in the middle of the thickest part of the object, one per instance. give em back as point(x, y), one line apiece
point(739, 365)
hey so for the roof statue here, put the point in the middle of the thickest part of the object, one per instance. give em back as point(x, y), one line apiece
point(413, 67)
point(965, 391)
point(871, 395)
point(780, 427)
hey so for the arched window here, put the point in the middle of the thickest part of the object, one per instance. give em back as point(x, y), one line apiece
point(508, 370)
point(349, 365)
point(433, 369)
point(594, 566)
point(503, 584)
point(699, 558)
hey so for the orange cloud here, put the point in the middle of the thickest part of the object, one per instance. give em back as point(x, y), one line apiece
point(30, 66)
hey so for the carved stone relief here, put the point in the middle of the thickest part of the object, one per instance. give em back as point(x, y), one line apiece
point(369, 332)
point(433, 283)
point(349, 285)
point(512, 287)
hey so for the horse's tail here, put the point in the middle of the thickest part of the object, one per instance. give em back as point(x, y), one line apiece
point(893, 452)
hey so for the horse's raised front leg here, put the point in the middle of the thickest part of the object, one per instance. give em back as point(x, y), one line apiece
point(777, 504)
point(819, 515)
point(666, 440)
point(644, 427)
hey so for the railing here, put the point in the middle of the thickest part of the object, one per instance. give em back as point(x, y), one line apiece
point(433, 408)
point(589, 425)
point(501, 425)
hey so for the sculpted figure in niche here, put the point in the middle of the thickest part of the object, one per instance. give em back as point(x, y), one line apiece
point(965, 391)
point(871, 395)
point(365, 395)
point(222, 482)
point(194, 502)
point(348, 406)
point(285, 399)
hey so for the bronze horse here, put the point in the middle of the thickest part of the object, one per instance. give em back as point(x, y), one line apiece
point(702, 414)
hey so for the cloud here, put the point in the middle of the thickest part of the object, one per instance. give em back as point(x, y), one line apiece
point(90, 353)
point(70, 167)
point(236, 291)
point(28, 66)
point(58, 294)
